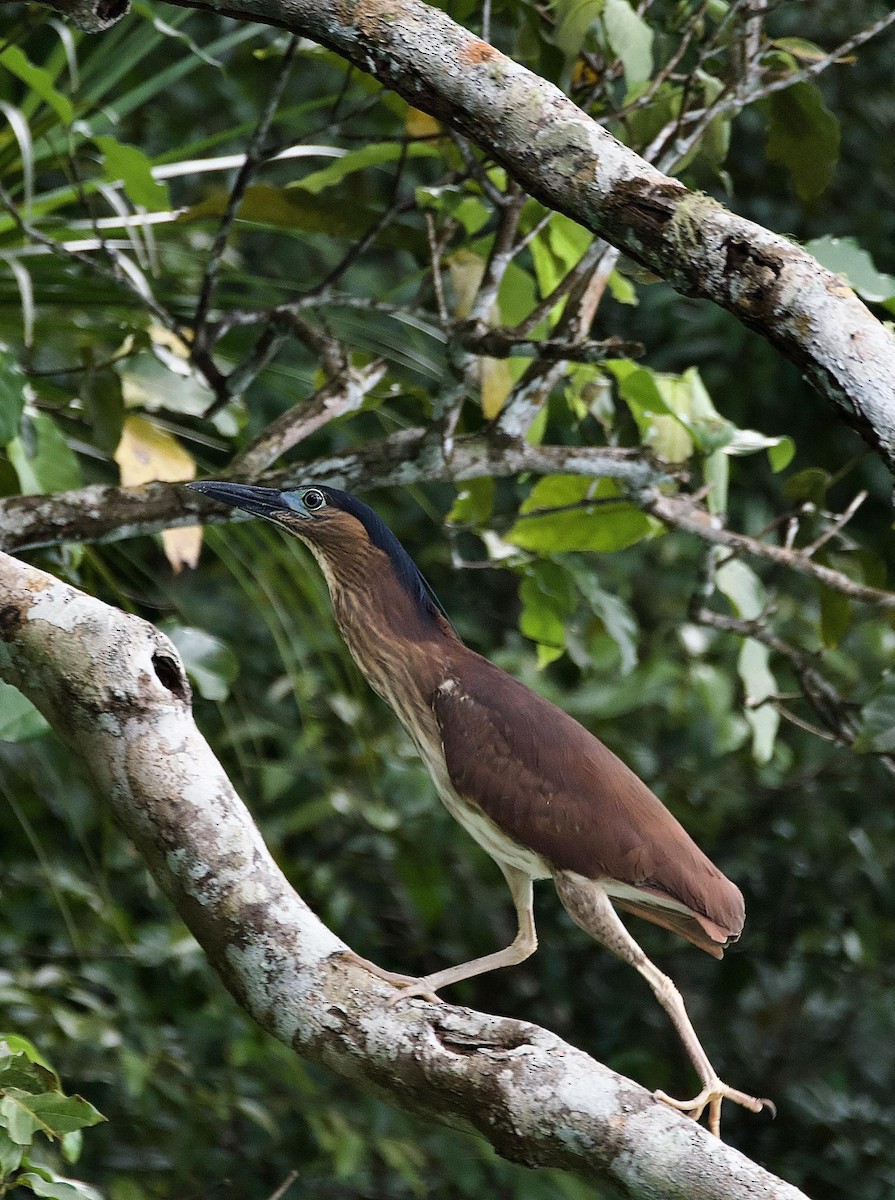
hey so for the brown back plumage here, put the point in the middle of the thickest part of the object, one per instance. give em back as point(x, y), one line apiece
point(548, 783)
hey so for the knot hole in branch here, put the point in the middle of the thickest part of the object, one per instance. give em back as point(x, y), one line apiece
point(169, 675)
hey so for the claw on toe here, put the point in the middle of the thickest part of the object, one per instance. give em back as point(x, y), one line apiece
point(710, 1098)
point(416, 987)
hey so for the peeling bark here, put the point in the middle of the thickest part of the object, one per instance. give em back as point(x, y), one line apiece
point(114, 689)
point(570, 163)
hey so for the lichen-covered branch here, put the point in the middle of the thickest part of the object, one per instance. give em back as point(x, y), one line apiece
point(114, 689)
point(570, 163)
point(107, 513)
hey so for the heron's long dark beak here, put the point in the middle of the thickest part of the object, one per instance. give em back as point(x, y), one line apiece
point(259, 501)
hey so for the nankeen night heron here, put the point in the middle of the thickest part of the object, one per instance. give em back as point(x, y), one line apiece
point(544, 797)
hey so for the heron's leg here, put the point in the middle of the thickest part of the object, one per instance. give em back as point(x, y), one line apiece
point(523, 945)
point(590, 907)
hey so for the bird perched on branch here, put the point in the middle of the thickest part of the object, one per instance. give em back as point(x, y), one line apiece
point(535, 789)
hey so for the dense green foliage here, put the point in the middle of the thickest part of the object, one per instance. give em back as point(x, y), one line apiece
point(595, 605)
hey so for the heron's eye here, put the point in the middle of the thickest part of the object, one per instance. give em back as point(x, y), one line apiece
point(313, 499)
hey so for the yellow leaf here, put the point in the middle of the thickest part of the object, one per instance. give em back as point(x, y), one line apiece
point(466, 271)
point(419, 124)
point(182, 546)
point(146, 453)
point(497, 383)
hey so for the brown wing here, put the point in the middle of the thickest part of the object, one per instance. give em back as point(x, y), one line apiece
point(549, 784)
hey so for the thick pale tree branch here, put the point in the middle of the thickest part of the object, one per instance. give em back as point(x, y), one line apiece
point(570, 163)
point(114, 689)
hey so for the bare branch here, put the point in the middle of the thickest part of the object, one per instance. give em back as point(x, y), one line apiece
point(341, 395)
point(504, 343)
point(833, 711)
point(683, 513)
point(106, 514)
point(254, 156)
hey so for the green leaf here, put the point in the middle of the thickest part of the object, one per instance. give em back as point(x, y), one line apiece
point(375, 155)
point(10, 1154)
point(630, 38)
point(44, 1183)
point(803, 135)
point(743, 589)
point(759, 683)
point(605, 529)
point(209, 662)
point(573, 20)
point(622, 290)
point(19, 719)
point(877, 731)
point(103, 402)
point(131, 166)
point(51, 1113)
point(18, 1071)
point(619, 623)
point(474, 503)
point(42, 458)
point(547, 602)
point(810, 484)
point(846, 258)
point(12, 395)
point(40, 82)
point(835, 616)
point(781, 454)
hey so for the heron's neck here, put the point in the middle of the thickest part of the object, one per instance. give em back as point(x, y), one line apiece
point(400, 646)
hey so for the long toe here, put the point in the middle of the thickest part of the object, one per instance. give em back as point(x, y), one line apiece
point(711, 1098)
point(408, 985)
point(408, 988)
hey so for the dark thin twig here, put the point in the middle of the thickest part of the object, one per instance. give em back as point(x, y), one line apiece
point(255, 155)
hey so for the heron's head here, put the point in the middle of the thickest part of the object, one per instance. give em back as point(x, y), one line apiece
point(345, 535)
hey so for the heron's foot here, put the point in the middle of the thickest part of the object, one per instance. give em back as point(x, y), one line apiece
point(710, 1098)
point(408, 985)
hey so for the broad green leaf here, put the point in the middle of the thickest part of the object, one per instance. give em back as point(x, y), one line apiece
point(57, 1188)
point(19, 719)
point(131, 166)
point(548, 600)
point(810, 484)
point(18, 1071)
point(540, 619)
point(14, 1043)
point(42, 458)
point(630, 38)
point(209, 662)
point(103, 401)
point(716, 477)
point(50, 1113)
point(846, 258)
point(803, 135)
point(781, 454)
point(877, 730)
point(605, 528)
point(743, 589)
point(621, 289)
point(12, 395)
point(358, 160)
point(835, 616)
point(573, 20)
point(39, 80)
point(10, 1154)
point(619, 623)
point(759, 684)
point(474, 503)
